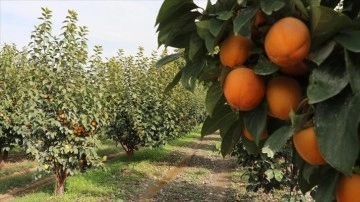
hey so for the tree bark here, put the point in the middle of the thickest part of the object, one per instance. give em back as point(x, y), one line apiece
point(5, 155)
point(60, 181)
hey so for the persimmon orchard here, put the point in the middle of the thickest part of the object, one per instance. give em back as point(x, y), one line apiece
point(58, 102)
point(305, 54)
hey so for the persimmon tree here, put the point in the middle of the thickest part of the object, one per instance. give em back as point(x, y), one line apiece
point(11, 63)
point(62, 114)
point(143, 115)
point(307, 55)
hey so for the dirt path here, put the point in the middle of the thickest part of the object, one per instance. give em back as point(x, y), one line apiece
point(194, 171)
point(201, 175)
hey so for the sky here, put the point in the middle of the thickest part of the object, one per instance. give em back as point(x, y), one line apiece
point(114, 24)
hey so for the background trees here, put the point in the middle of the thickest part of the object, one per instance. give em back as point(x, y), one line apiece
point(58, 102)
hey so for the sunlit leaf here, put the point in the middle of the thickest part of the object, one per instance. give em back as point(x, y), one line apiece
point(167, 59)
point(277, 140)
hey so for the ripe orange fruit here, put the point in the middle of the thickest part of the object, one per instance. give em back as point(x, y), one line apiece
point(287, 42)
point(243, 89)
point(348, 189)
point(306, 145)
point(250, 137)
point(295, 70)
point(282, 94)
point(235, 50)
point(93, 123)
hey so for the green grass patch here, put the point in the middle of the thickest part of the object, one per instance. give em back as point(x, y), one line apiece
point(186, 139)
point(108, 147)
point(120, 179)
point(198, 174)
point(6, 171)
point(16, 181)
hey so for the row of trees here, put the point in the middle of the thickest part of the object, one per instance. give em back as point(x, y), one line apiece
point(57, 101)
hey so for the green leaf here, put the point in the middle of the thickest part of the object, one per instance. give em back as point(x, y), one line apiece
point(202, 28)
point(323, 52)
point(338, 144)
point(246, 30)
point(210, 43)
point(196, 46)
point(298, 121)
point(308, 177)
point(321, 19)
point(243, 17)
point(278, 175)
point(167, 59)
point(179, 34)
point(255, 121)
point(352, 61)
point(211, 70)
point(174, 82)
point(222, 114)
point(265, 66)
point(353, 122)
point(215, 26)
point(231, 138)
point(225, 127)
point(225, 15)
point(213, 95)
point(277, 140)
point(327, 186)
point(268, 7)
point(269, 174)
point(349, 40)
point(250, 146)
point(172, 8)
point(190, 73)
point(327, 81)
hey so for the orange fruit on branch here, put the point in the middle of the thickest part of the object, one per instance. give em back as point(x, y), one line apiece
point(283, 94)
point(243, 89)
point(235, 50)
point(306, 145)
point(348, 189)
point(287, 42)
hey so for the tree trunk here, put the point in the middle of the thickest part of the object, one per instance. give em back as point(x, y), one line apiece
point(60, 181)
point(5, 155)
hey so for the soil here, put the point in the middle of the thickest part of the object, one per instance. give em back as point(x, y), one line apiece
point(201, 175)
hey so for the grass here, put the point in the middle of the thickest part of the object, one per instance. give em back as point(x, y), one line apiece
point(121, 179)
point(6, 171)
point(15, 181)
